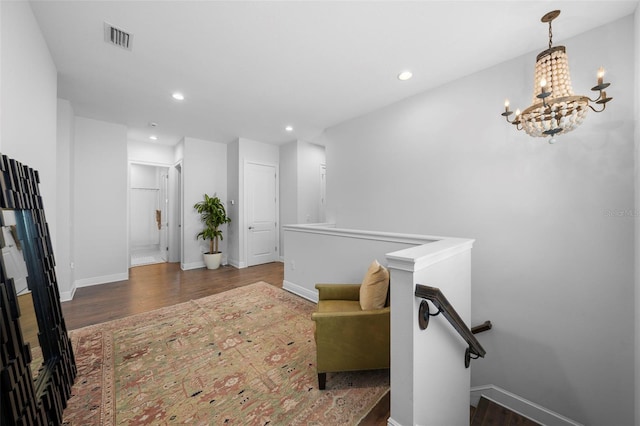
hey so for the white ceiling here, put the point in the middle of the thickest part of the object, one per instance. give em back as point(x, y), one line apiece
point(248, 69)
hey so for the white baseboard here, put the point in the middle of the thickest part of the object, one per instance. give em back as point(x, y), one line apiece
point(391, 422)
point(520, 405)
point(237, 264)
point(192, 265)
point(88, 282)
point(66, 296)
point(300, 291)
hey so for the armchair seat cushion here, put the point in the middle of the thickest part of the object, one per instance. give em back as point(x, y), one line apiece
point(338, 306)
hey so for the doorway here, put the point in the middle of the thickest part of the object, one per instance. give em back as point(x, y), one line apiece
point(322, 213)
point(148, 208)
point(176, 240)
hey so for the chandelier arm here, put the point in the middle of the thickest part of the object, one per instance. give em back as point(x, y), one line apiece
point(540, 116)
point(595, 110)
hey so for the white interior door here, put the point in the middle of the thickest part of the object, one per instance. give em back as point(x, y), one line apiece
point(262, 207)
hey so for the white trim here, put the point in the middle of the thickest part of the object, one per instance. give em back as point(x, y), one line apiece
point(391, 422)
point(88, 282)
point(151, 163)
point(192, 265)
point(520, 405)
point(330, 229)
point(66, 296)
point(300, 291)
point(201, 264)
point(420, 257)
point(237, 264)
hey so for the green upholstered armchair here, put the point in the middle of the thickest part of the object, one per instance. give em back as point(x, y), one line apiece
point(348, 338)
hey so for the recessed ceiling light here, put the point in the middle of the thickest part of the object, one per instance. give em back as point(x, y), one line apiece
point(153, 137)
point(289, 129)
point(178, 96)
point(405, 75)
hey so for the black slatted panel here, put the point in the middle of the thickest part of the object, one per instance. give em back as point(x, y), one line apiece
point(22, 403)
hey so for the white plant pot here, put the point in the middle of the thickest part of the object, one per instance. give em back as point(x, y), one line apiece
point(212, 260)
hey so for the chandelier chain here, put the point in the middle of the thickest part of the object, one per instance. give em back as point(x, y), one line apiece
point(550, 35)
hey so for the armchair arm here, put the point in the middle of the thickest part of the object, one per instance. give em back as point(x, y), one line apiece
point(340, 317)
point(338, 291)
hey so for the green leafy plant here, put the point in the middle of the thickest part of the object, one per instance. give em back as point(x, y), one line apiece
point(213, 215)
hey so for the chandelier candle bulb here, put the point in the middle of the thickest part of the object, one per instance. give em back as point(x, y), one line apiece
point(600, 75)
point(506, 107)
point(543, 84)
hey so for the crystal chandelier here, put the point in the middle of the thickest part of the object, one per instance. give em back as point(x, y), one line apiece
point(555, 109)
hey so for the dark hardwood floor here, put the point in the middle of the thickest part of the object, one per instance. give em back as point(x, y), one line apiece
point(156, 286)
point(489, 413)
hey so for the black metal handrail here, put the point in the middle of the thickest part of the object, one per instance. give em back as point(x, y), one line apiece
point(433, 294)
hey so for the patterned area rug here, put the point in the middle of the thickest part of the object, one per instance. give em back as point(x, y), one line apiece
point(245, 356)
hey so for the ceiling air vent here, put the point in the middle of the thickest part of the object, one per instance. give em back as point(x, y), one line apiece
point(117, 36)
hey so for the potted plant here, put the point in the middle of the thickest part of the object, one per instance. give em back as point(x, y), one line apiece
point(213, 215)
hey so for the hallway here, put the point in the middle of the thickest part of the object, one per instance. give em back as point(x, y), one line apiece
point(142, 257)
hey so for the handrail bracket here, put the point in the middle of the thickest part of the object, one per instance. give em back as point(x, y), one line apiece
point(423, 314)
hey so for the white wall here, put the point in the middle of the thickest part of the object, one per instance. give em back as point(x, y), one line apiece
point(64, 160)
point(637, 209)
point(100, 194)
point(29, 101)
point(204, 171)
point(553, 259)
point(150, 153)
point(299, 184)
point(288, 189)
point(1, 93)
point(310, 157)
point(143, 176)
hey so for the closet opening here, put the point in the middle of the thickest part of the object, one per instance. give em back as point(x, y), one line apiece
point(148, 214)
